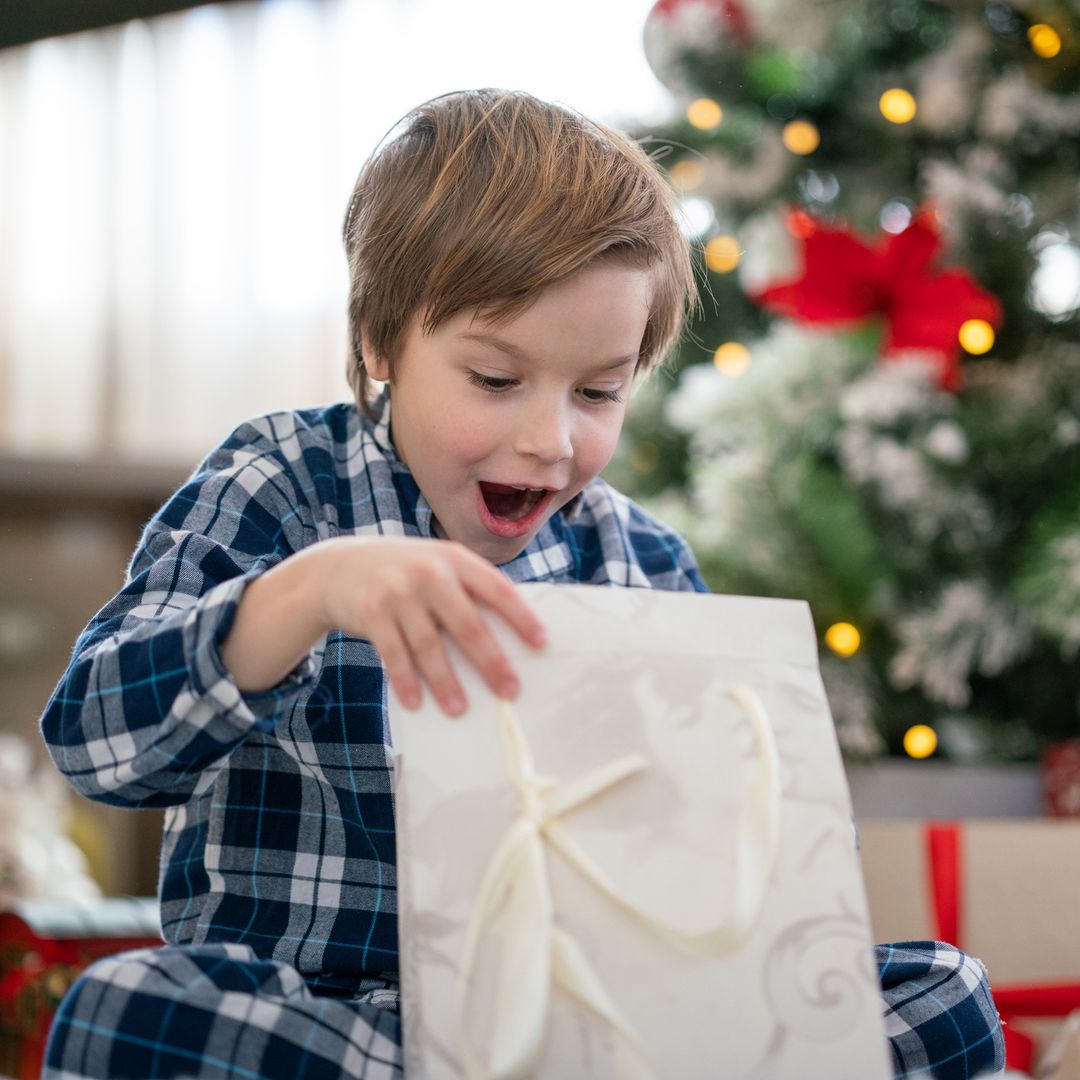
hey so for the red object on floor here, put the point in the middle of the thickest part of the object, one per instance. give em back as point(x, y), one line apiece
point(43, 948)
point(944, 852)
point(1061, 779)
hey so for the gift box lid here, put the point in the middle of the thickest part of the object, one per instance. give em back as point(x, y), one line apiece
point(110, 917)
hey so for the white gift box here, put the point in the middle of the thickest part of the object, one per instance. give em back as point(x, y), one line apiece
point(645, 866)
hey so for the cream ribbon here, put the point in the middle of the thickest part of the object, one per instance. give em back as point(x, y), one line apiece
point(536, 953)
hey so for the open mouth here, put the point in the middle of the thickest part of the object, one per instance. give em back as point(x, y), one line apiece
point(511, 511)
point(510, 503)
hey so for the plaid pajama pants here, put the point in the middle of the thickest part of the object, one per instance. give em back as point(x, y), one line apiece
point(219, 1011)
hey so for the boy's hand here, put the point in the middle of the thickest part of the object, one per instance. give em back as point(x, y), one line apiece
point(401, 593)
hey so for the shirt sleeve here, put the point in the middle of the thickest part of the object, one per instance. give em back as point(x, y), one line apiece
point(662, 554)
point(146, 712)
point(687, 574)
point(614, 540)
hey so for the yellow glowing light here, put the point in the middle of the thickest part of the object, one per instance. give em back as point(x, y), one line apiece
point(897, 105)
point(722, 254)
point(704, 113)
point(976, 336)
point(843, 639)
point(732, 358)
point(920, 741)
point(801, 137)
point(1045, 40)
point(687, 175)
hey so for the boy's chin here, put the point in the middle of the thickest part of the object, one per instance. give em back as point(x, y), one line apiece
point(496, 549)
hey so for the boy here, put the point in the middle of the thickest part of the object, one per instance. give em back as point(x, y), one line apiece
point(513, 267)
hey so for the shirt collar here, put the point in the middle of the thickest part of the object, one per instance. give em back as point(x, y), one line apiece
point(380, 408)
point(546, 556)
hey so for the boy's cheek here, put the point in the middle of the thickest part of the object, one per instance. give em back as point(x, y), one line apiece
point(465, 441)
point(596, 455)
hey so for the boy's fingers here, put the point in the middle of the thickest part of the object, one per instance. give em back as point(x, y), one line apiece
point(463, 620)
point(399, 668)
point(499, 594)
point(429, 654)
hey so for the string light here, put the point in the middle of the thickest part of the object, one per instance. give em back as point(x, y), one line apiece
point(704, 113)
point(843, 638)
point(920, 741)
point(897, 105)
point(687, 175)
point(1045, 40)
point(801, 137)
point(732, 358)
point(976, 336)
point(722, 254)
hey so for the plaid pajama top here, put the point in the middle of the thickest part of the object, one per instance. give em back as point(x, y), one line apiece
point(279, 829)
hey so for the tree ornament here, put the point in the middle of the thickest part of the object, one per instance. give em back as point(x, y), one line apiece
point(843, 280)
point(674, 28)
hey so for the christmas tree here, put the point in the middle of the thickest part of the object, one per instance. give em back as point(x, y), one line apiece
point(877, 407)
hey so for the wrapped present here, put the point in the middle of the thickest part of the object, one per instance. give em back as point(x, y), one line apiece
point(1061, 779)
point(1062, 1058)
point(645, 866)
point(1004, 891)
point(44, 945)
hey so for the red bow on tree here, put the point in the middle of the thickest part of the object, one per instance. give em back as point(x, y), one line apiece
point(845, 280)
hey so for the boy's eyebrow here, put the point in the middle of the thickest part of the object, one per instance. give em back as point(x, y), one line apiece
point(515, 353)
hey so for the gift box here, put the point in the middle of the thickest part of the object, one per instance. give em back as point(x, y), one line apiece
point(44, 945)
point(1062, 1058)
point(1004, 891)
point(644, 866)
point(1061, 779)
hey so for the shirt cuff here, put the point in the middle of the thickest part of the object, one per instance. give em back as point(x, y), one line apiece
point(206, 628)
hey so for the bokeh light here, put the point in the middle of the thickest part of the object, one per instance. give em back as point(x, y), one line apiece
point(704, 113)
point(722, 254)
point(697, 216)
point(732, 358)
point(687, 175)
point(1045, 40)
point(801, 225)
point(976, 336)
point(801, 137)
point(897, 105)
point(920, 741)
point(1055, 285)
point(843, 638)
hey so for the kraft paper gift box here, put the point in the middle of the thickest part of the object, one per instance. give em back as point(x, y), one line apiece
point(643, 867)
point(1005, 891)
point(1017, 894)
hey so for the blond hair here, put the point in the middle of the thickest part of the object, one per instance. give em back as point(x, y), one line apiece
point(486, 197)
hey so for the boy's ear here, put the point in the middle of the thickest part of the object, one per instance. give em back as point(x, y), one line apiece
point(377, 366)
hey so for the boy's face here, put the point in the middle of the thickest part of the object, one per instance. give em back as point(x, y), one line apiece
point(504, 424)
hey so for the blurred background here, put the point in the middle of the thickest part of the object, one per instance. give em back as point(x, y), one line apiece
point(877, 408)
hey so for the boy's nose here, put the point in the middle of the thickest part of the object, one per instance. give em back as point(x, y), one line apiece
point(543, 432)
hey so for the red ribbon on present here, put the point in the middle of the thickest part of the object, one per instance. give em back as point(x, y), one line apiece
point(944, 852)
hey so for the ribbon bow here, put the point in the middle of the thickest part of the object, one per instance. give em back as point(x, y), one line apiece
point(536, 953)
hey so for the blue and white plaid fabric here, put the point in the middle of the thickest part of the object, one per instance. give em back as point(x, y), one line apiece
point(220, 1011)
point(939, 1014)
point(278, 852)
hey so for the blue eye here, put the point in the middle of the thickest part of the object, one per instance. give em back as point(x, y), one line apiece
point(490, 384)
